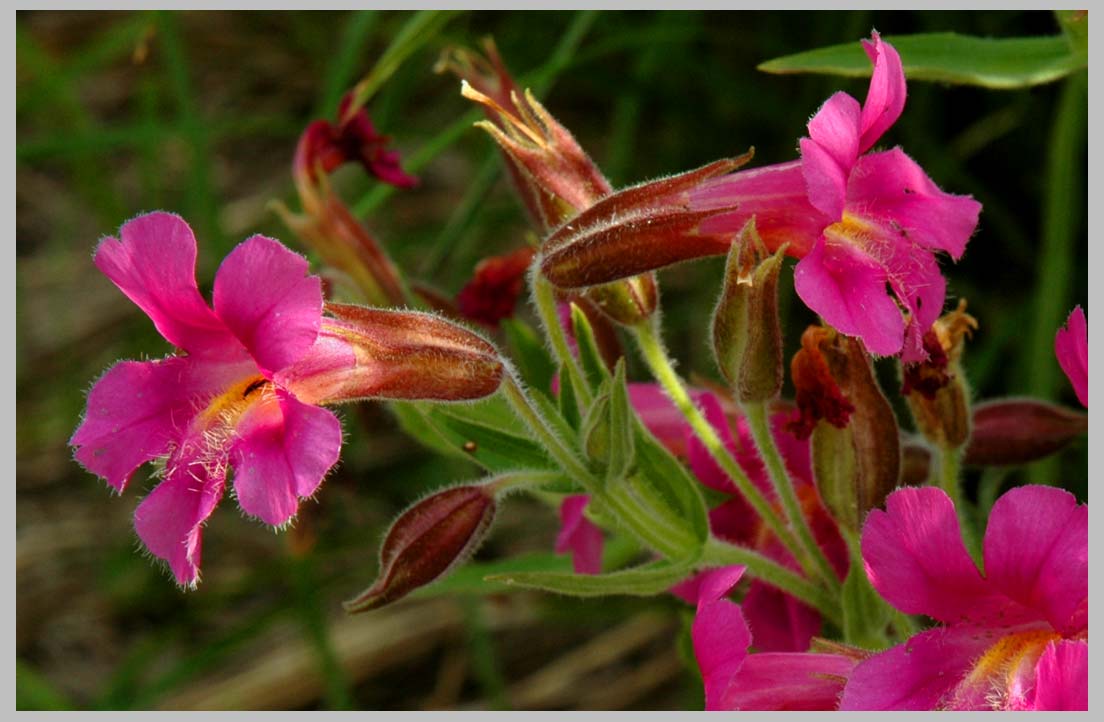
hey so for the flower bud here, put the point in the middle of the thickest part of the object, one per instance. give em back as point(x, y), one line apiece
point(635, 230)
point(364, 353)
point(747, 338)
point(1019, 431)
point(916, 460)
point(936, 389)
point(426, 541)
point(855, 441)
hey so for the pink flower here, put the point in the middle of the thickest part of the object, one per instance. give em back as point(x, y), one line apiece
point(780, 622)
point(1071, 345)
point(736, 680)
point(217, 404)
point(1013, 638)
point(857, 222)
point(579, 536)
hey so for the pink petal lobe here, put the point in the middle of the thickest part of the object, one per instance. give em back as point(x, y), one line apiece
point(829, 153)
point(892, 188)
point(885, 99)
point(777, 681)
point(264, 295)
point(915, 558)
point(138, 409)
point(921, 674)
point(283, 451)
point(1037, 553)
point(701, 462)
point(719, 633)
point(169, 521)
point(778, 622)
point(153, 262)
point(1062, 676)
point(1071, 346)
point(848, 291)
point(579, 536)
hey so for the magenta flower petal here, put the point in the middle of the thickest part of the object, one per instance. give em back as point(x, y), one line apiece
point(1062, 677)
point(1036, 552)
point(894, 189)
point(579, 536)
point(921, 674)
point(778, 622)
point(915, 558)
point(885, 99)
point(719, 633)
point(169, 520)
point(135, 413)
point(847, 289)
point(264, 294)
point(795, 682)
point(829, 153)
point(914, 277)
point(1071, 345)
point(283, 451)
point(154, 265)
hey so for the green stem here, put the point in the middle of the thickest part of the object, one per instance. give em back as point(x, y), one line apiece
point(950, 481)
point(622, 506)
point(759, 423)
point(545, 300)
point(719, 553)
point(660, 365)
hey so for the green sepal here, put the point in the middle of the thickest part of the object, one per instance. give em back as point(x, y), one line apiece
point(593, 366)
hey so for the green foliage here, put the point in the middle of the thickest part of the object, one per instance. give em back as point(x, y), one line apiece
point(646, 580)
point(998, 63)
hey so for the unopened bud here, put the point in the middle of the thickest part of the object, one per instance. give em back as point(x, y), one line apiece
point(426, 541)
point(916, 460)
point(595, 431)
point(936, 389)
point(1019, 431)
point(365, 353)
point(855, 441)
point(635, 230)
point(747, 338)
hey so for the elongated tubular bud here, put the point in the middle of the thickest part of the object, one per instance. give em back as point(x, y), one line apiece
point(635, 230)
point(1019, 431)
point(426, 541)
point(366, 353)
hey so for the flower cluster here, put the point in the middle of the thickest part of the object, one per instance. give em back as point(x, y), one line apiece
point(832, 555)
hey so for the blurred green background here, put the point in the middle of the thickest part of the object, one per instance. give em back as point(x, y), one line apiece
point(199, 113)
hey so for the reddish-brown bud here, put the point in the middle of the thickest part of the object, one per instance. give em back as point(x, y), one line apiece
point(856, 463)
point(635, 230)
point(426, 541)
point(366, 353)
point(346, 246)
point(1019, 431)
point(747, 337)
point(492, 293)
point(936, 389)
point(916, 460)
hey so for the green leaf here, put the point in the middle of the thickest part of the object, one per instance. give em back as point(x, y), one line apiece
point(644, 581)
point(472, 577)
point(593, 365)
point(865, 614)
point(551, 413)
point(34, 691)
point(670, 484)
point(528, 351)
point(622, 452)
point(569, 403)
point(1000, 63)
point(455, 431)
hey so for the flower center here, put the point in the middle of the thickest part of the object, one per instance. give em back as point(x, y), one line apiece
point(1006, 670)
point(225, 409)
point(851, 230)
